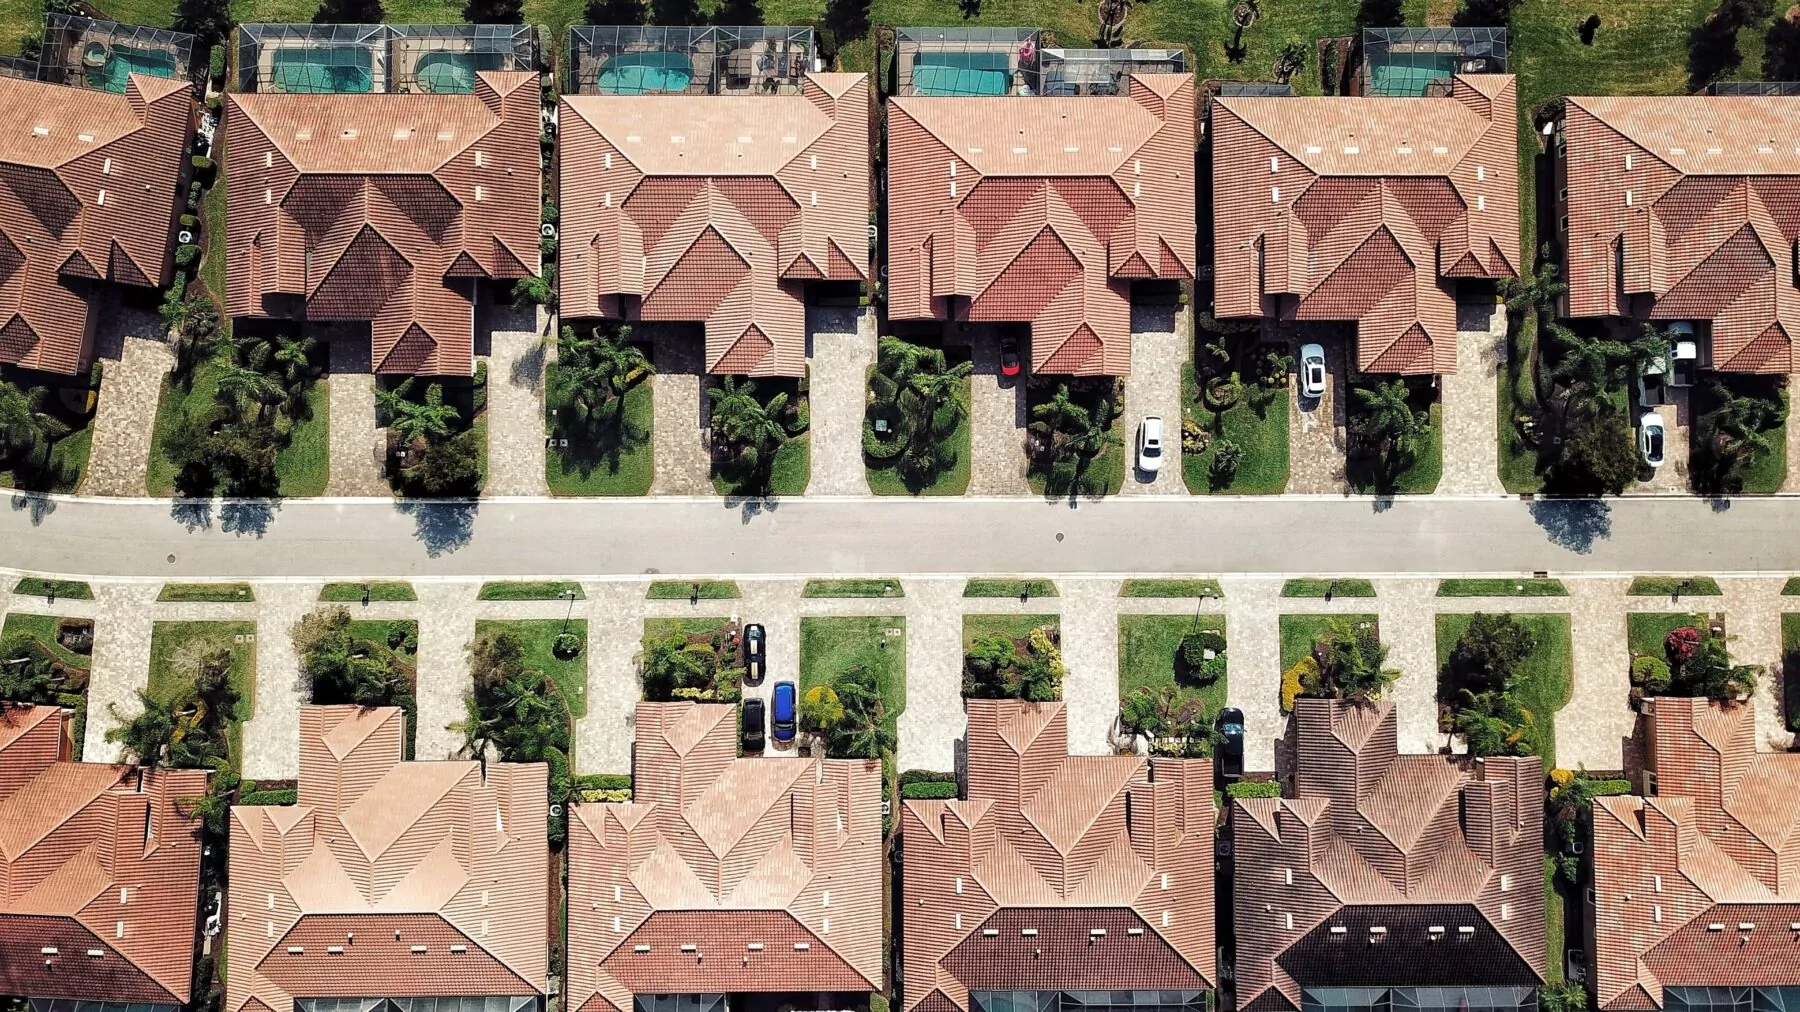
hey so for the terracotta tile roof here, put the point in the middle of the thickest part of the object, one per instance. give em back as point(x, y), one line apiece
point(1367, 210)
point(1042, 210)
point(384, 208)
point(1717, 847)
point(88, 183)
point(1370, 838)
point(99, 870)
point(725, 874)
point(389, 878)
point(1689, 206)
point(716, 208)
point(1047, 849)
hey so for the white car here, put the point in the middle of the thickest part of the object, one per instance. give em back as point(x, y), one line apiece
point(1650, 439)
point(1150, 445)
point(1312, 371)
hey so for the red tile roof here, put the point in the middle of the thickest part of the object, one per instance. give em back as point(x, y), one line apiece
point(725, 874)
point(1047, 849)
point(61, 149)
point(99, 871)
point(1677, 874)
point(1042, 210)
point(716, 208)
point(1368, 210)
point(384, 208)
point(1367, 829)
point(427, 878)
point(1688, 207)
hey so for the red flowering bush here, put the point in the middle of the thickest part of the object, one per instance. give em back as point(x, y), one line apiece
point(1681, 644)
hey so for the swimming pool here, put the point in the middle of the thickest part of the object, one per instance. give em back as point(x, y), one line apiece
point(129, 60)
point(646, 73)
point(962, 74)
point(446, 73)
point(323, 70)
point(1408, 74)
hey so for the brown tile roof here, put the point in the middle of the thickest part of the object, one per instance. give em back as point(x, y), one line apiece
point(716, 208)
point(1047, 849)
point(1677, 874)
point(61, 149)
point(1689, 206)
point(384, 208)
point(725, 874)
point(99, 870)
point(1367, 209)
point(1042, 210)
point(426, 878)
point(1371, 838)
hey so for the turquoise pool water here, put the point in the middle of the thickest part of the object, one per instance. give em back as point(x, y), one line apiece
point(646, 73)
point(1407, 74)
point(962, 74)
point(446, 73)
point(128, 60)
point(317, 70)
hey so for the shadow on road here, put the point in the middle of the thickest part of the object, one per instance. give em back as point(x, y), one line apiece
point(248, 517)
point(751, 507)
point(442, 527)
point(39, 504)
point(1574, 524)
point(193, 514)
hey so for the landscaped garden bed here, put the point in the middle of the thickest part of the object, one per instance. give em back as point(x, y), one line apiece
point(1681, 654)
point(48, 434)
point(1012, 657)
point(1520, 587)
point(532, 590)
point(1171, 588)
point(691, 658)
point(1234, 412)
point(1321, 587)
point(761, 443)
point(1022, 589)
point(1502, 679)
point(365, 663)
point(1172, 679)
point(853, 683)
point(197, 670)
point(1332, 657)
point(213, 593)
point(1738, 442)
point(853, 588)
point(347, 593)
point(437, 443)
point(525, 682)
point(1074, 441)
point(554, 647)
point(1673, 586)
point(1396, 436)
point(68, 590)
point(685, 590)
point(599, 413)
point(915, 434)
point(47, 660)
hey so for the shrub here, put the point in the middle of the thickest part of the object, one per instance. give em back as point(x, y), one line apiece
point(189, 221)
point(1651, 674)
point(1193, 650)
point(287, 797)
point(1225, 462)
point(1681, 644)
point(1194, 438)
point(1213, 670)
point(876, 449)
point(929, 790)
point(926, 777)
point(204, 169)
point(186, 254)
point(1294, 679)
point(567, 645)
point(595, 796)
point(1253, 789)
point(603, 782)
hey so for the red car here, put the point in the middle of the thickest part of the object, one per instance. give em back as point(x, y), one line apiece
point(1009, 357)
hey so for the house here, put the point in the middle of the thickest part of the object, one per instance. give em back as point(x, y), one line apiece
point(720, 207)
point(1377, 211)
point(1695, 901)
point(390, 883)
point(1682, 211)
point(1043, 206)
point(1380, 879)
point(394, 209)
point(726, 882)
point(99, 873)
point(91, 184)
point(1059, 881)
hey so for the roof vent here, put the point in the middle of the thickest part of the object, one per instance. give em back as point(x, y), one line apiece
point(334, 950)
point(1377, 929)
point(640, 948)
point(349, 134)
point(1436, 929)
point(690, 947)
point(48, 950)
point(994, 932)
point(296, 950)
point(420, 949)
point(89, 139)
point(1028, 932)
point(42, 131)
point(459, 948)
point(802, 947)
point(1097, 933)
point(96, 953)
point(1747, 926)
point(1339, 929)
point(754, 947)
point(1134, 931)
point(402, 133)
point(445, 134)
point(1467, 929)
point(1716, 926)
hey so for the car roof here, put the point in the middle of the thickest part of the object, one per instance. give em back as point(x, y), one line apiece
point(1649, 419)
point(753, 703)
point(784, 687)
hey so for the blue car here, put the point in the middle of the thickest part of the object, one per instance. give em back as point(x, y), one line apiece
point(782, 719)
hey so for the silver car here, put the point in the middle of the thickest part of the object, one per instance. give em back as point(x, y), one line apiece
point(1312, 371)
point(1150, 444)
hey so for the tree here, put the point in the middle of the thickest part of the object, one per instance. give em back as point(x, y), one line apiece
point(146, 736)
point(1731, 436)
point(1145, 711)
point(750, 427)
point(1488, 651)
point(591, 375)
point(1380, 14)
point(1710, 674)
point(208, 20)
point(1494, 723)
point(248, 392)
point(738, 12)
point(1599, 457)
point(1387, 423)
point(340, 668)
point(676, 12)
point(820, 710)
point(494, 12)
point(1563, 996)
point(430, 420)
point(987, 666)
point(511, 709)
point(1352, 661)
point(27, 671)
point(27, 431)
point(350, 12)
point(1781, 51)
point(615, 12)
point(450, 469)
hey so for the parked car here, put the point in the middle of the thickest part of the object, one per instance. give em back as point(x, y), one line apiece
point(750, 734)
point(782, 719)
point(1684, 354)
point(1650, 439)
point(755, 655)
point(1009, 356)
point(1312, 371)
point(1230, 725)
point(1150, 444)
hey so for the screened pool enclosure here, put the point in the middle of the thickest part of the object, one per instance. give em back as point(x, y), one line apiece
point(356, 59)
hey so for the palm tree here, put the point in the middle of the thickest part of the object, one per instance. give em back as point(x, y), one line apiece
point(1056, 416)
point(592, 373)
point(292, 364)
point(27, 432)
point(1541, 288)
point(249, 391)
point(431, 421)
point(1392, 422)
point(937, 386)
point(1592, 368)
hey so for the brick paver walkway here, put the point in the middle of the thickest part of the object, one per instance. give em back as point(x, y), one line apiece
point(515, 405)
point(357, 444)
point(1090, 643)
point(1161, 344)
point(843, 347)
point(934, 726)
point(272, 736)
point(1471, 414)
point(121, 661)
point(679, 439)
point(1316, 428)
point(615, 632)
point(447, 614)
point(126, 417)
point(997, 421)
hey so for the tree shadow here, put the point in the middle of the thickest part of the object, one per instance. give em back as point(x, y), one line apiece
point(193, 514)
point(600, 446)
point(1574, 524)
point(248, 516)
point(752, 506)
point(442, 526)
point(37, 503)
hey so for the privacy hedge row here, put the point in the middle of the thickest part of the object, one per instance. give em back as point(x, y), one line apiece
point(929, 790)
point(1253, 789)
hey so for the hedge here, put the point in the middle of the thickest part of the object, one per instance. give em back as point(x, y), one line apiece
point(287, 797)
point(1253, 789)
point(1609, 788)
point(926, 777)
point(928, 791)
point(593, 796)
point(602, 782)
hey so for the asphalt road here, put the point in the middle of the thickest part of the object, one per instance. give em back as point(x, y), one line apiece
point(886, 536)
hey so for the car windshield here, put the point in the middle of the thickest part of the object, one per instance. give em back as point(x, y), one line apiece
point(1152, 449)
point(1653, 439)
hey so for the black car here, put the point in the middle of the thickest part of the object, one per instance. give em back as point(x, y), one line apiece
point(750, 735)
point(755, 656)
point(1230, 724)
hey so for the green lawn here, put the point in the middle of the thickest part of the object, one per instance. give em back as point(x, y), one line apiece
point(586, 471)
point(1555, 910)
point(829, 647)
point(176, 646)
point(1514, 396)
point(1258, 423)
point(1789, 589)
point(34, 586)
point(304, 465)
point(1646, 630)
point(195, 398)
point(955, 481)
point(853, 588)
point(1669, 586)
point(1419, 477)
point(683, 590)
point(1009, 588)
point(1299, 631)
point(1320, 586)
point(68, 458)
point(1170, 588)
point(1014, 626)
point(43, 629)
point(570, 676)
point(1543, 682)
point(352, 593)
point(531, 590)
point(1147, 646)
point(1520, 587)
point(225, 593)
